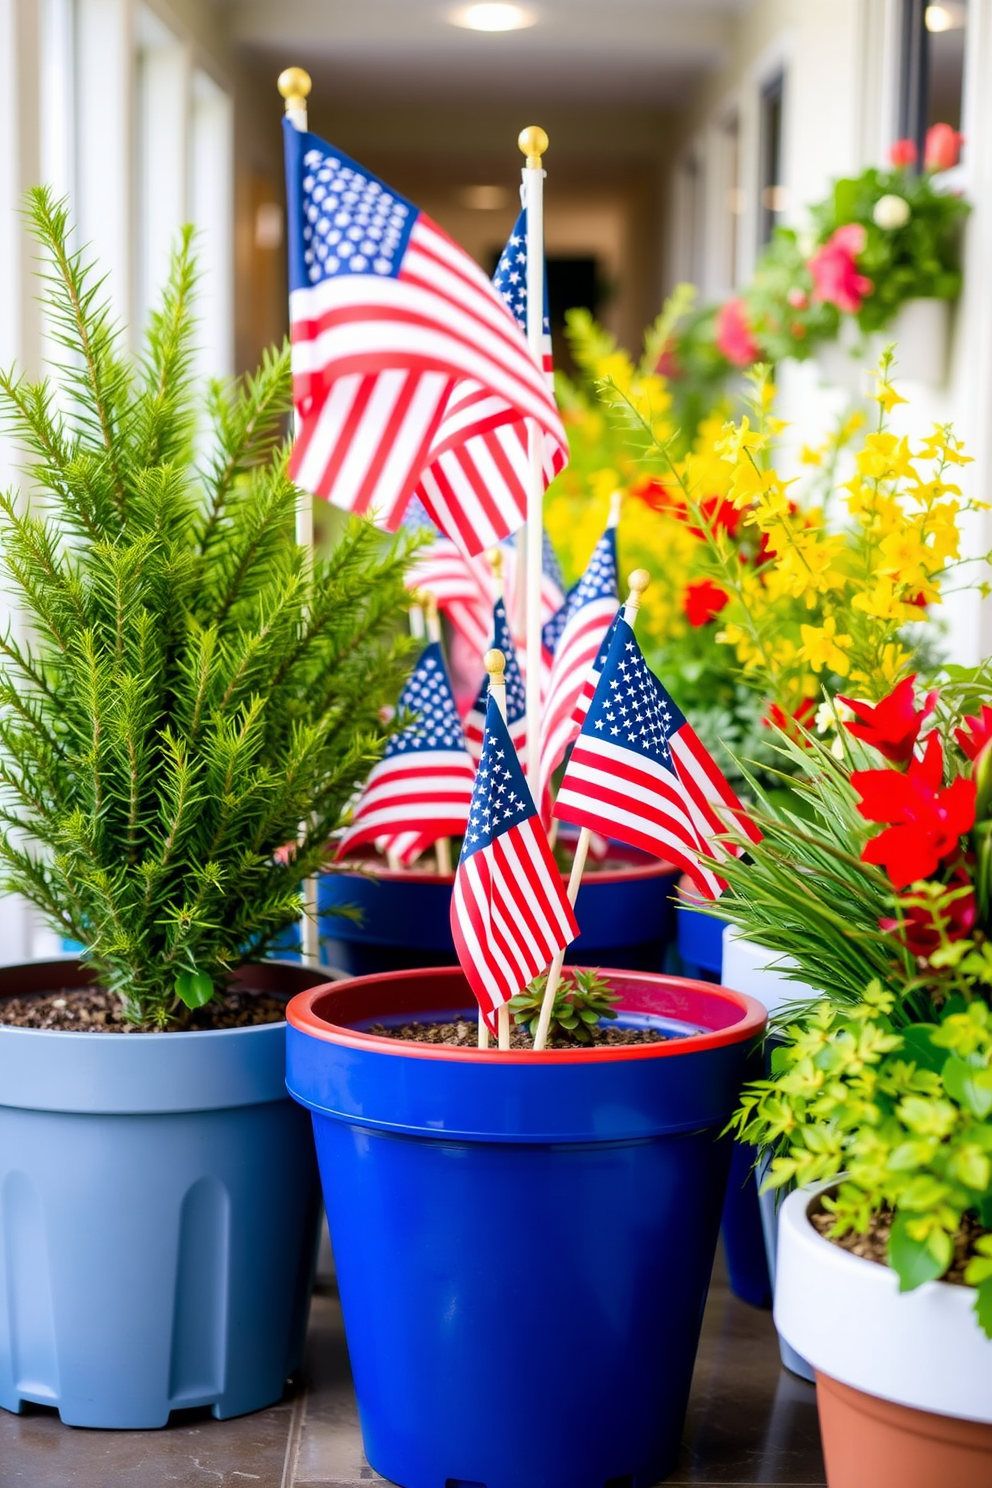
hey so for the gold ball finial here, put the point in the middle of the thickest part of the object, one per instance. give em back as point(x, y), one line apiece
point(495, 556)
point(639, 581)
point(294, 84)
point(534, 143)
point(494, 662)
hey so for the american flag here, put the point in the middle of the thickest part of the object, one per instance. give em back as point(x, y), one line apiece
point(479, 469)
point(552, 596)
point(638, 772)
point(422, 787)
point(388, 318)
point(573, 638)
point(463, 587)
point(516, 696)
point(509, 912)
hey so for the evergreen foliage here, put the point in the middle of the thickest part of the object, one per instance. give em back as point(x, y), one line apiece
point(187, 688)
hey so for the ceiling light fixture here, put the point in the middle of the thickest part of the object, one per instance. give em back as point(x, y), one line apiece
point(492, 17)
point(939, 18)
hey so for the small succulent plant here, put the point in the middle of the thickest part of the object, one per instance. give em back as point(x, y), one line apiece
point(582, 1000)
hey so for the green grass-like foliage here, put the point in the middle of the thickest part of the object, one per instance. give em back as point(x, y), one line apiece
point(582, 999)
point(186, 689)
point(904, 1114)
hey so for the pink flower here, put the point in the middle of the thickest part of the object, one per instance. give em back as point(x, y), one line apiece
point(835, 274)
point(733, 334)
point(903, 153)
point(797, 298)
point(942, 148)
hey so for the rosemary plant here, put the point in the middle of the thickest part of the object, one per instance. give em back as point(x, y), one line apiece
point(187, 687)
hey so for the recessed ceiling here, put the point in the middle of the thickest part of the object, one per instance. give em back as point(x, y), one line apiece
point(594, 51)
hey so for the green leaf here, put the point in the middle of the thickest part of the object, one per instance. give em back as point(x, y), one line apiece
point(983, 1306)
point(912, 1260)
point(970, 1087)
point(917, 1045)
point(194, 988)
point(985, 1210)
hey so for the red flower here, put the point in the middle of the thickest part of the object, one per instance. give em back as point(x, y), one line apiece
point(927, 821)
point(659, 496)
point(903, 153)
point(924, 918)
point(942, 147)
point(703, 601)
point(980, 728)
point(718, 512)
point(733, 335)
point(791, 723)
point(893, 725)
point(836, 280)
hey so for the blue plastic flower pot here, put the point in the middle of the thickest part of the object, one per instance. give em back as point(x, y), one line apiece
point(626, 914)
point(159, 1205)
point(699, 937)
point(523, 1242)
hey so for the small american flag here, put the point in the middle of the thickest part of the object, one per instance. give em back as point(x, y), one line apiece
point(509, 912)
point(637, 769)
point(478, 471)
point(516, 696)
point(552, 597)
point(573, 638)
point(422, 788)
point(388, 318)
point(463, 587)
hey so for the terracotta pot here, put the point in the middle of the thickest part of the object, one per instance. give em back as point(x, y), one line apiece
point(869, 1440)
point(904, 1380)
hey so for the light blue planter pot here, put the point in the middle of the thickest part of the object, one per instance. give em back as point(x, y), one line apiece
point(158, 1214)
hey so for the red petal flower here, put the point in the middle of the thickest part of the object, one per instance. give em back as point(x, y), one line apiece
point(903, 153)
point(923, 918)
point(980, 733)
point(893, 725)
point(941, 148)
point(719, 512)
point(803, 716)
point(928, 821)
point(704, 600)
point(659, 496)
point(836, 280)
point(733, 334)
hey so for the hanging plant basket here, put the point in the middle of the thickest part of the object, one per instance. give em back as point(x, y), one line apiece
point(518, 1221)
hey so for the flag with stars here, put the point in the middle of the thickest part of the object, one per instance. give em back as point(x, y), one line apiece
point(573, 638)
point(510, 915)
point(636, 769)
point(388, 317)
point(552, 598)
point(464, 587)
point(516, 696)
point(478, 471)
point(422, 788)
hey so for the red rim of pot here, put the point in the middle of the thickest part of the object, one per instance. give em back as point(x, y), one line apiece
point(304, 1015)
point(658, 868)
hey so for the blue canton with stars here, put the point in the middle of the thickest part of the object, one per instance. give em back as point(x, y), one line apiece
point(516, 696)
point(598, 582)
point(500, 798)
point(341, 219)
point(630, 708)
point(428, 694)
point(510, 278)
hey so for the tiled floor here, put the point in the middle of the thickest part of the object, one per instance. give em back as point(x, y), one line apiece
point(750, 1423)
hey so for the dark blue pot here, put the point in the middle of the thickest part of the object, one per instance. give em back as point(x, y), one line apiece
point(159, 1204)
point(627, 917)
point(699, 938)
point(511, 1230)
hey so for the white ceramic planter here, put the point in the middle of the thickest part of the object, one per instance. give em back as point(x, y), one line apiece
point(922, 1349)
point(920, 330)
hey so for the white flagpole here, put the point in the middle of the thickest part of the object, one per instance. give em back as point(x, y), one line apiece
point(534, 142)
point(294, 84)
point(495, 663)
point(638, 581)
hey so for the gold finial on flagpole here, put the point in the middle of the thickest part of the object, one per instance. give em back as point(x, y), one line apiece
point(616, 506)
point(638, 582)
point(533, 143)
point(495, 558)
point(429, 602)
point(294, 84)
point(495, 664)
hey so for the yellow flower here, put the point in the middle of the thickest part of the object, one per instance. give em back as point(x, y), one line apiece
point(883, 603)
point(810, 456)
point(886, 395)
point(884, 457)
point(738, 439)
point(824, 647)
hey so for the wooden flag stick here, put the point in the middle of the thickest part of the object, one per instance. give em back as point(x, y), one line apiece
point(442, 847)
point(638, 581)
point(294, 84)
point(495, 663)
point(418, 628)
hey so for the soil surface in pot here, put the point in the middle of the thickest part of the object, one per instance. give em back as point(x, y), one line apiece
point(874, 1245)
point(93, 1010)
point(458, 1031)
